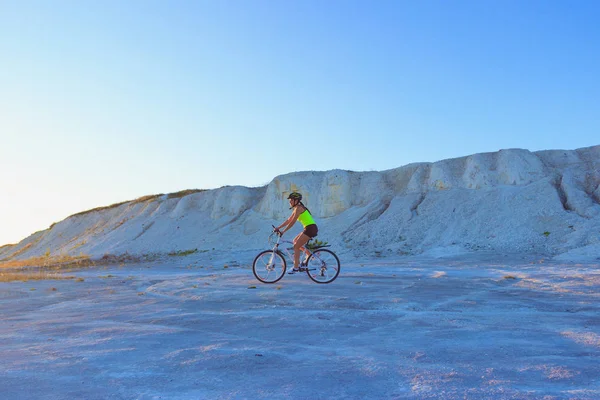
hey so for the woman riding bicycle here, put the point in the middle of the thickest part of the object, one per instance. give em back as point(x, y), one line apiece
point(302, 214)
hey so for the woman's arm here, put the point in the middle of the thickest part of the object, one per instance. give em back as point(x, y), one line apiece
point(286, 222)
point(290, 221)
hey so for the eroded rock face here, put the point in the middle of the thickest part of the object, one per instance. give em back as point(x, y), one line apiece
point(511, 200)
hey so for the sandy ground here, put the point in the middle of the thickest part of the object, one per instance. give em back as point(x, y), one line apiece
point(471, 327)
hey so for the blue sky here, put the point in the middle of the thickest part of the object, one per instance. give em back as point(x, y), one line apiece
point(102, 102)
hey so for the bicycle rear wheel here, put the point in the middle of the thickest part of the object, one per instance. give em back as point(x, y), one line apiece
point(269, 266)
point(323, 266)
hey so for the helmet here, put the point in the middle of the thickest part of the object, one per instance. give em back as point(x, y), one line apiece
point(295, 196)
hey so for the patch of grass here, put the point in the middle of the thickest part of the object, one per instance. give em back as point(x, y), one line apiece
point(121, 222)
point(313, 244)
point(6, 246)
point(100, 209)
point(121, 259)
point(26, 276)
point(138, 200)
point(60, 261)
point(150, 197)
point(184, 193)
point(21, 250)
point(78, 245)
point(182, 253)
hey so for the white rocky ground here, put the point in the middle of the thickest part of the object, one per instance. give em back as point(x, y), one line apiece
point(509, 201)
point(471, 278)
point(474, 327)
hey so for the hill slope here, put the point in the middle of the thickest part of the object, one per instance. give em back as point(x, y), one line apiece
point(507, 201)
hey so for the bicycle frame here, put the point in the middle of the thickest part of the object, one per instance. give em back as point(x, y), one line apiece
point(290, 255)
point(321, 265)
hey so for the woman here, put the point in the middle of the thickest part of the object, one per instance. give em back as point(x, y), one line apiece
point(301, 214)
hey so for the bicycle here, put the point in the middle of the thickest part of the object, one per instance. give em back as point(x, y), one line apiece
point(321, 266)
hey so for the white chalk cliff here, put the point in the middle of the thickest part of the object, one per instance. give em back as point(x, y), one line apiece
point(512, 200)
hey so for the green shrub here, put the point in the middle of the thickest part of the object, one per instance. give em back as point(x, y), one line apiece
point(316, 243)
point(183, 253)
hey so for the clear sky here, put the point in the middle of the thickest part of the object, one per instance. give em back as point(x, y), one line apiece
point(107, 101)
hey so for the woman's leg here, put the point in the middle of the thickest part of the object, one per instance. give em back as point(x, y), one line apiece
point(299, 242)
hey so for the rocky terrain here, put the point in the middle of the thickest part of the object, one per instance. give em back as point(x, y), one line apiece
point(510, 201)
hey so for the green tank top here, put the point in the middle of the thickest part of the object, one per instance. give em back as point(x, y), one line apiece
point(306, 219)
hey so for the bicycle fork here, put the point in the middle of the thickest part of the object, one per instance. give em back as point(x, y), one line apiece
point(270, 266)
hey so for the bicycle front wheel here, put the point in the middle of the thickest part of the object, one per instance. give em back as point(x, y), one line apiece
point(323, 266)
point(269, 266)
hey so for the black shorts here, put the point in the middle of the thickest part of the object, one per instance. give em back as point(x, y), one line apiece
point(311, 230)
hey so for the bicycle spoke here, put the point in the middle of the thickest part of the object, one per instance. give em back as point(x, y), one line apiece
point(323, 266)
point(269, 267)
